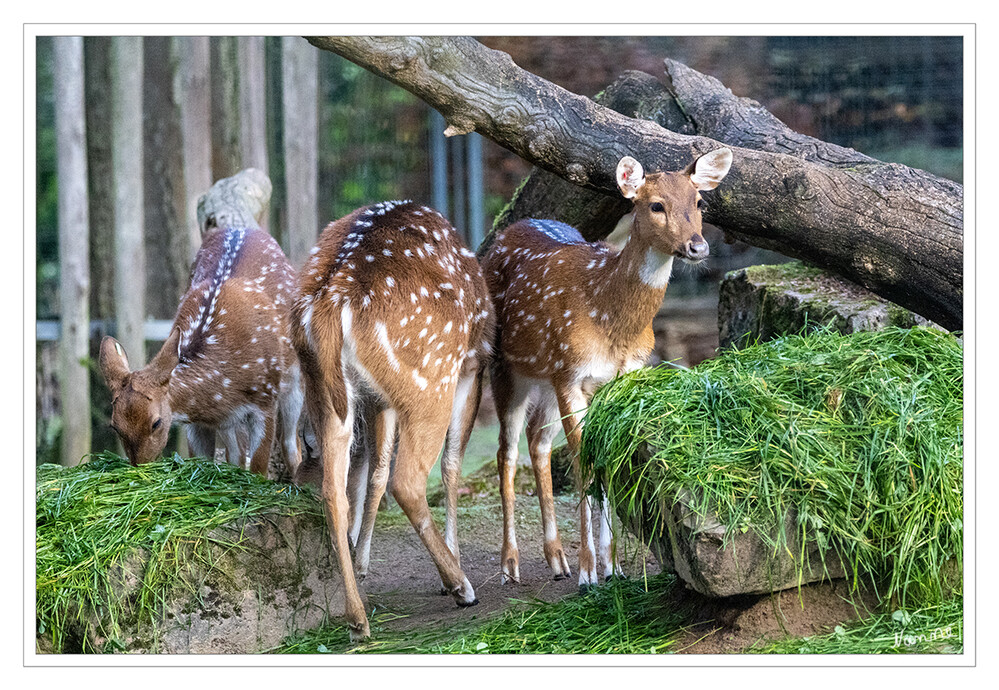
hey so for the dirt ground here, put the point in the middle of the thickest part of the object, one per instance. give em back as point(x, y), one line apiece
point(403, 587)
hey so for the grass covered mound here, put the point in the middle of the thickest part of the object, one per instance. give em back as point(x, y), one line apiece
point(861, 435)
point(92, 517)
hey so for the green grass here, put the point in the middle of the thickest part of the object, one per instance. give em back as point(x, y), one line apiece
point(92, 517)
point(621, 617)
point(937, 629)
point(861, 435)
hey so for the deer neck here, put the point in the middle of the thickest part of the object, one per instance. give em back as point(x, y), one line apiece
point(631, 289)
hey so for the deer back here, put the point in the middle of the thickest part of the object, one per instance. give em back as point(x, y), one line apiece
point(391, 293)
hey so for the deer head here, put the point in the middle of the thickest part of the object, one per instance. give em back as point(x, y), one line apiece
point(668, 205)
point(140, 400)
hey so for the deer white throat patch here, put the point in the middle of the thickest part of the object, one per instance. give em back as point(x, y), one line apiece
point(656, 269)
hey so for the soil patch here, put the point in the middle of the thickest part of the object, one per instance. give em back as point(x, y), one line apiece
point(403, 587)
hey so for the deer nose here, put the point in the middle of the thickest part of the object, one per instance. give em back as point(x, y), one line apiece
point(697, 248)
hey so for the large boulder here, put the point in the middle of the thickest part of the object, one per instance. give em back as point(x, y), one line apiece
point(240, 590)
point(760, 303)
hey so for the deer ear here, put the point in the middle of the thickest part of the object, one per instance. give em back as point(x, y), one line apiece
point(630, 177)
point(710, 169)
point(167, 358)
point(113, 362)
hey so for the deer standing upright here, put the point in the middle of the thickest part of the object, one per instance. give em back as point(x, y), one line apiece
point(228, 365)
point(570, 316)
point(393, 321)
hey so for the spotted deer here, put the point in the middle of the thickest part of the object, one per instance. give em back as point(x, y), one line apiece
point(228, 366)
point(570, 316)
point(393, 322)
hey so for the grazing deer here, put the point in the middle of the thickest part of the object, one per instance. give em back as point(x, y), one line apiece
point(570, 316)
point(392, 322)
point(228, 365)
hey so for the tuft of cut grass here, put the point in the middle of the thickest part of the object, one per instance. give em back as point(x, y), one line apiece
point(861, 435)
point(621, 617)
point(937, 629)
point(92, 517)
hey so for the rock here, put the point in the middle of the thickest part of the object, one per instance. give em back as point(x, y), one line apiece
point(695, 547)
point(760, 303)
point(241, 590)
point(745, 565)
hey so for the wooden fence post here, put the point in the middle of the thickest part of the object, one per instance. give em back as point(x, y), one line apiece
point(253, 104)
point(129, 212)
point(195, 115)
point(300, 93)
point(74, 280)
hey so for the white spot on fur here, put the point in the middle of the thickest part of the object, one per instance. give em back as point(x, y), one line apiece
point(381, 332)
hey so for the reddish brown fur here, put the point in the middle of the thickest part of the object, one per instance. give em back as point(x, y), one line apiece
point(391, 308)
point(227, 364)
point(571, 315)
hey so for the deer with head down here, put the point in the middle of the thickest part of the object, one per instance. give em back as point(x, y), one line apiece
point(570, 316)
point(227, 367)
point(393, 322)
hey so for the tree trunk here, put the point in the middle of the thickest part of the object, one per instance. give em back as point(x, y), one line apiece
point(167, 265)
point(100, 174)
point(300, 81)
point(129, 213)
point(253, 106)
point(192, 83)
point(892, 229)
point(74, 273)
point(226, 153)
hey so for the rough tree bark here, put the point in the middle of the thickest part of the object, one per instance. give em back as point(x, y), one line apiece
point(226, 153)
point(74, 273)
point(100, 174)
point(167, 264)
point(892, 229)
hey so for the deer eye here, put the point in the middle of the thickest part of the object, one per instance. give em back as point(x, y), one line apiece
point(657, 207)
point(700, 204)
point(157, 423)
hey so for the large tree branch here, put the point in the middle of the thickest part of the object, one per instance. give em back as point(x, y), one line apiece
point(892, 229)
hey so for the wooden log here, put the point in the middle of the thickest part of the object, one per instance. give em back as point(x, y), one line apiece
point(239, 201)
point(893, 230)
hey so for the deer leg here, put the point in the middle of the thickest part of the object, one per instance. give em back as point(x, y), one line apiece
point(201, 441)
point(334, 438)
point(572, 407)
point(378, 475)
point(542, 428)
point(357, 473)
point(607, 552)
point(289, 412)
point(261, 440)
point(230, 439)
point(463, 411)
point(419, 445)
point(511, 397)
